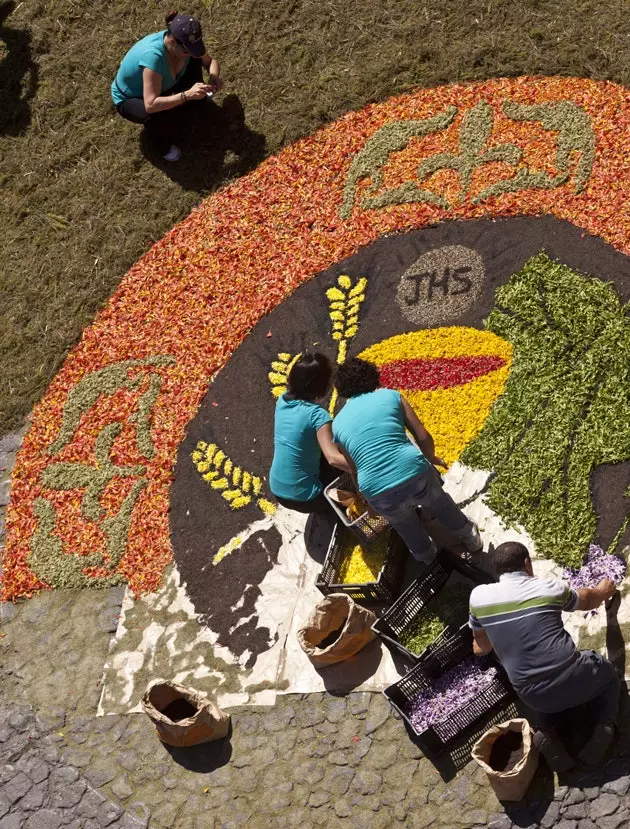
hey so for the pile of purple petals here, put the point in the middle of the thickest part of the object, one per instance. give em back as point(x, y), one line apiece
point(597, 565)
point(448, 694)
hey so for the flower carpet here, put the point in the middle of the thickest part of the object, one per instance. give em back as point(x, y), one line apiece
point(470, 240)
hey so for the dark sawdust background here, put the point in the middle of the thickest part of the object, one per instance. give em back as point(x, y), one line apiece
point(79, 202)
point(237, 413)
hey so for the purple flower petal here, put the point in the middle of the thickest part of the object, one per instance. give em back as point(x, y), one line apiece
point(448, 694)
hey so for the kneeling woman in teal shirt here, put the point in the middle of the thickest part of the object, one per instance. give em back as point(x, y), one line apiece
point(303, 443)
point(394, 475)
point(160, 72)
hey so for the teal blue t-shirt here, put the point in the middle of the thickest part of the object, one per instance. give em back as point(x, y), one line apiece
point(371, 428)
point(149, 53)
point(296, 454)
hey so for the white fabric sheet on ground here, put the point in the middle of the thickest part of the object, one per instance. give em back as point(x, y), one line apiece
point(160, 637)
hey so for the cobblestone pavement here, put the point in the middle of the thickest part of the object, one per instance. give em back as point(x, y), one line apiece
point(314, 760)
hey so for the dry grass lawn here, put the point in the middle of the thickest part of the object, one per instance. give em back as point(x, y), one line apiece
point(80, 202)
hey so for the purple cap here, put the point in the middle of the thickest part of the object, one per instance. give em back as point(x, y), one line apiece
point(187, 31)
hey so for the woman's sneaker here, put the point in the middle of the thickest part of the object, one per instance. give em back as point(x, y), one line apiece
point(174, 154)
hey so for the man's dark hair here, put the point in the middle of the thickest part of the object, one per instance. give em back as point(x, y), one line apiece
point(356, 376)
point(309, 379)
point(510, 557)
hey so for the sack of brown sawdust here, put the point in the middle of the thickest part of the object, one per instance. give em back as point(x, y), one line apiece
point(183, 717)
point(336, 630)
point(509, 758)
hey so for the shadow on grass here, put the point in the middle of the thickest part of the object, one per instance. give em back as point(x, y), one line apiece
point(18, 76)
point(207, 135)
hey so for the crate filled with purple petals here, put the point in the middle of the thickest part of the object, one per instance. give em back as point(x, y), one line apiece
point(449, 691)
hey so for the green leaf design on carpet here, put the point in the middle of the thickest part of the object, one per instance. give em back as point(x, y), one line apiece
point(564, 410)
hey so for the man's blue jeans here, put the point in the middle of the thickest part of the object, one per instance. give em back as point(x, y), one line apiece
point(399, 503)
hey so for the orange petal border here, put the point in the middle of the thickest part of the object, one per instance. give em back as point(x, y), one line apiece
point(198, 292)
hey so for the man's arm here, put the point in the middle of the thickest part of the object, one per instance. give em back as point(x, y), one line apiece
point(481, 643)
point(590, 598)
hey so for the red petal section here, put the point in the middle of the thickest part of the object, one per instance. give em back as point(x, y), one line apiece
point(436, 373)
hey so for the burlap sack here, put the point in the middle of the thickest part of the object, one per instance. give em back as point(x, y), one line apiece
point(337, 612)
point(512, 784)
point(206, 723)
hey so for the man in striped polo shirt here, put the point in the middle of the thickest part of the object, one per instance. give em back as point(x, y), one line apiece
point(520, 618)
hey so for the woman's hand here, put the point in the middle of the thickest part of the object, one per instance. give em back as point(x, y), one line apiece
point(439, 462)
point(198, 91)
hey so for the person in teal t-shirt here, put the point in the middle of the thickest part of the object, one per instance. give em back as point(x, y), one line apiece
point(160, 72)
point(395, 475)
point(303, 444)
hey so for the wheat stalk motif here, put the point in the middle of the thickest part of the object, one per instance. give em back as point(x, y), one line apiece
point(237, 486)
point(279, 374)
point(344, 302)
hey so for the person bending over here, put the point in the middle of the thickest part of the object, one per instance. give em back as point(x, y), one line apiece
point(161, 72)
point(520, 618)
point(394, 475)
point(303, 444)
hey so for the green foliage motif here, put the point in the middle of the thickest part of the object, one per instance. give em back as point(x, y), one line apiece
point(565, 407)
point(570, 123)
point(48, 560)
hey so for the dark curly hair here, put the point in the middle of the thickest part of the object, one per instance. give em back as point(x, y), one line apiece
point(310, 377)
point(356, 376)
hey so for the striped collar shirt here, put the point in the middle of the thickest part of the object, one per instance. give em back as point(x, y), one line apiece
point(522, 616)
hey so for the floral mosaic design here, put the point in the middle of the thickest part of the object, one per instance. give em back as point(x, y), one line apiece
point(524, 146)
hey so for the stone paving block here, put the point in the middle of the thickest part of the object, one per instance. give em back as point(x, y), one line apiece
point(619, 820)
point(90, 804)
point(574, 796)
point(45, 819)
point(68, 796)
point(318, 798)
point(619, 786)
point(359, 703)
point(551, 815)
point(8, 611)
point(108, 813)
point(337, 780)
point(604, 805)
point(34, 798)
point(378, 713)
point(101, 773)
point(63, 776)
point(13, 821)
point(366, 781)
point(335, 710)
point(567, 824)
point(16, 788)
point(138, 815)
point(309, 714)
point(382, 756)
point(499, 822)
point(278, 720)
point(577, 811)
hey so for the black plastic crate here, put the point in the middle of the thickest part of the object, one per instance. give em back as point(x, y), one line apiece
point(418, 599)
point(384, 589)
point(366, 527)
point(445, 653)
